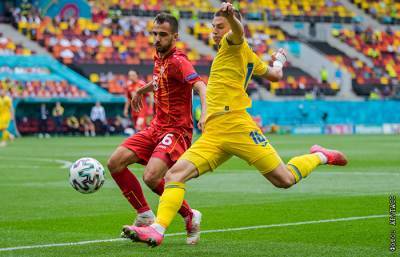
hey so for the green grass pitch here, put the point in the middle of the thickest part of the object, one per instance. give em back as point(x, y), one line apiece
point(39, 207)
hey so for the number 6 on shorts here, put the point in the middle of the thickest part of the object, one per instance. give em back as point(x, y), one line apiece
point(167, 140)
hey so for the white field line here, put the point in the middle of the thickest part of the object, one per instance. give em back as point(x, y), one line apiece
point(65, 164)
point(203, 232)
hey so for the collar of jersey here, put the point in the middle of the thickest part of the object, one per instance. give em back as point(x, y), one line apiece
point(171, 52)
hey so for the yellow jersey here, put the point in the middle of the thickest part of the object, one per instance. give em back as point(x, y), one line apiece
point(230, 73)
point(5, 107)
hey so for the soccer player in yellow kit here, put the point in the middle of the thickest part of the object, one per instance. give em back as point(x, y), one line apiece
point(6, 115)
point(229, 129)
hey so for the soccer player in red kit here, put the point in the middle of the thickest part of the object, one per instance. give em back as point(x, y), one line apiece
point(132, 85)
point(138, 118)
point(161, 144)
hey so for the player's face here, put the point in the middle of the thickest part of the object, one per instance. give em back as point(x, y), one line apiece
point(220, 28)
point(133, 76)
point(164, 37)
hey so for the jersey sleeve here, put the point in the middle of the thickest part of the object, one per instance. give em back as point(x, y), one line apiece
point(187, 72)
point(260, 67)
point(128, 92)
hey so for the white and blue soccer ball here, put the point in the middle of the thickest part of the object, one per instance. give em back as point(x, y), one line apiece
point(86, 175)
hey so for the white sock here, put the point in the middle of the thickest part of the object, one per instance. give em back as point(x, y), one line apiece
point(160, 229)
point(322, 157)
point(146, 214)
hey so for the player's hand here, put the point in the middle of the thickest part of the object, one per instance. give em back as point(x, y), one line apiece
point(227, 10)
point(137, 102)
point(125, 113)
point(279, 58)
point(201, 123)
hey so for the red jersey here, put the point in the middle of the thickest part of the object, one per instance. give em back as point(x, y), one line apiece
point(173, 78)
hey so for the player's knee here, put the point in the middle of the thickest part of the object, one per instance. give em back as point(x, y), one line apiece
point(114, 165)
point(284, 183)
point(151, 178)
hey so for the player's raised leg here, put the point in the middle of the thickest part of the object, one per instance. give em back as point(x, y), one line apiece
point(170, 202)
point(129, 184)
point(299, 167)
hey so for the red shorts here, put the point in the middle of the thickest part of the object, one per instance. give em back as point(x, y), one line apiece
point(168, 145)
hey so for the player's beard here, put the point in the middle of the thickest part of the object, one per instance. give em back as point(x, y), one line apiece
point(163, 49)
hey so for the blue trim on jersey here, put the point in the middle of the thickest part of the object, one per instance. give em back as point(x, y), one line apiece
point(250, 67)
point(192, 76)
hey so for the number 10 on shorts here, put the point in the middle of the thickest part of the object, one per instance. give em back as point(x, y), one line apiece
point(259, 139)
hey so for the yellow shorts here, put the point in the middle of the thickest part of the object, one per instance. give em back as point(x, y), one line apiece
point(4, 122)
point(233, 133)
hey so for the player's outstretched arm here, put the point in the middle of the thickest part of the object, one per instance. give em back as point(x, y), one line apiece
point(275, 73)
point(126, 108)
point(200, 88)
point(236, 35)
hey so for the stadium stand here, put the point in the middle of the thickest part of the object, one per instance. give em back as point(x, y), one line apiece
point(8, 47)
point(296, 10)
point(149, 8)
point(382, 47)
point(41, 89)
point(365, 78)
point(31, 81)
point(288, 10)
point(385, 11)
point(85, 41)
point(109, 38)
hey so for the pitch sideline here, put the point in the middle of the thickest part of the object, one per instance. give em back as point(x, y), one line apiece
point(203, 232)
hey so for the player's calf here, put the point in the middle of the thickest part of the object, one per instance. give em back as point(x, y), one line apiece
point(280, 177)
point(182, 171)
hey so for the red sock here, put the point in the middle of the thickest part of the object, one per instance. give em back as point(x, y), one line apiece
point(130, 187)
point(184, 211)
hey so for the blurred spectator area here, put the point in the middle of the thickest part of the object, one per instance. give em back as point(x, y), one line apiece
point(288, 10)
point(180, 8)
point(364, 78)
point(385, 11)
point(382, 47)
point(83, 41)
point(30, 125)
point(41, 89)
point(9, 47)
point(28, 115)
point(296, 10)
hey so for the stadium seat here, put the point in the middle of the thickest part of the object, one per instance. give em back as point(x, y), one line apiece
point(385, 11)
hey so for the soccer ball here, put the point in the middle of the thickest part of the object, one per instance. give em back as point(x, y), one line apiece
point(86, 175)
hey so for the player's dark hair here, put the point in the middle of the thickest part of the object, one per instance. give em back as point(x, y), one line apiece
point(235, 12)
point(166, 17)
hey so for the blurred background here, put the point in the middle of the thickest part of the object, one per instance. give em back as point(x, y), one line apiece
point(65, 63)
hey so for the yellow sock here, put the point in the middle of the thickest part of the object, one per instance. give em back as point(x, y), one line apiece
point(302, 166)
point(170, 202)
